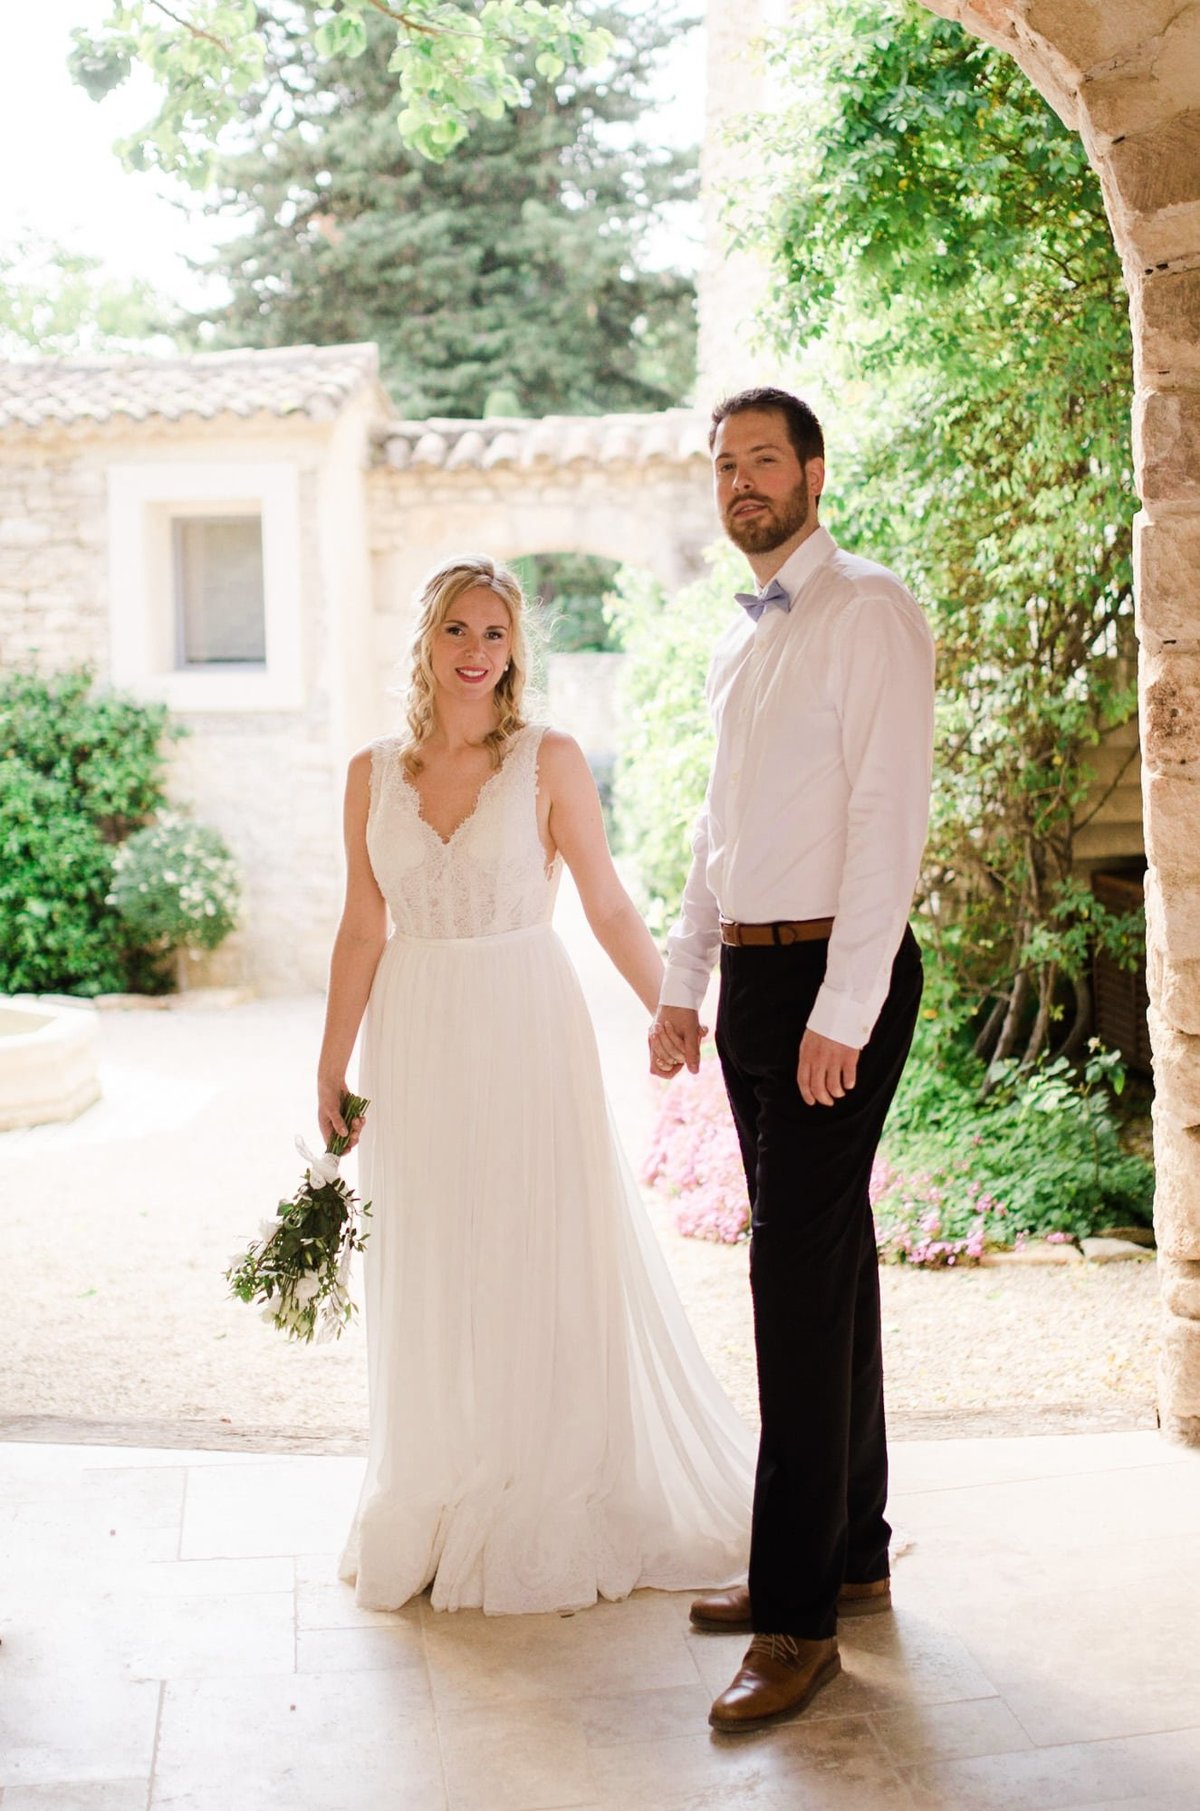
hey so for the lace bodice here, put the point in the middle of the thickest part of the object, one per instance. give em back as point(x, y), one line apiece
point(491, 876)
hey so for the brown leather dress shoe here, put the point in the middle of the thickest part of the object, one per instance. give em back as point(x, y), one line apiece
point(780, 1675)
point(728, 1612)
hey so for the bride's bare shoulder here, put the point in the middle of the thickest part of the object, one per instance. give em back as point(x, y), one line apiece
point(559, 751)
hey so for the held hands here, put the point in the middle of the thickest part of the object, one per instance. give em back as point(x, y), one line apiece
point(826, 1070)
point(675, 1038)
point(330, 1094)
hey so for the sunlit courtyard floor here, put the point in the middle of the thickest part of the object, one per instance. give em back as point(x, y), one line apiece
point(174, 1639)
point(116, 1227)
point(175, 1482)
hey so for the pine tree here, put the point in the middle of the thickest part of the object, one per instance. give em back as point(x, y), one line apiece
point(509, 279)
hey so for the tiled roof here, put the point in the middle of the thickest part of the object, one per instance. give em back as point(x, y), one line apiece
point(673, 435)
point(313, 381)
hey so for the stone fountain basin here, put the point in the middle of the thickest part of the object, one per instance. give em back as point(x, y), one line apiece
point(48, 1066)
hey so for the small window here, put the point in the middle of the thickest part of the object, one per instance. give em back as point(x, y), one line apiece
point(219, 601)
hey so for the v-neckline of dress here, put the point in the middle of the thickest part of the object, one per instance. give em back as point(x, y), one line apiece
point(447, 842)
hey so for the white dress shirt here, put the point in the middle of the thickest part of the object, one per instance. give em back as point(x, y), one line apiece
point(818, 803)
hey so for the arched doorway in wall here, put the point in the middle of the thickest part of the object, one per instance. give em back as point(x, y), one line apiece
point(1128, 80)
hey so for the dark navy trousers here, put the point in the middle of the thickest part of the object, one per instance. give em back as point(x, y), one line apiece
point(821, 1485)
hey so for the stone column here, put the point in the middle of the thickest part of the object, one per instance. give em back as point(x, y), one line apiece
point(732, 283)
point(1127, 77)
point(1167, 437)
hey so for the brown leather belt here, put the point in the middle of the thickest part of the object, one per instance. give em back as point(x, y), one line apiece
point(794, 930)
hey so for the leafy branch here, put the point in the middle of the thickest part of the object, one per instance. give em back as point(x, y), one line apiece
point(455, 65)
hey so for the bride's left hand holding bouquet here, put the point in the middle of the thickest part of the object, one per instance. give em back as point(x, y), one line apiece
point(299, 1265)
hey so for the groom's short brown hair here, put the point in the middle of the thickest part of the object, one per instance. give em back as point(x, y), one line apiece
point(804, 430)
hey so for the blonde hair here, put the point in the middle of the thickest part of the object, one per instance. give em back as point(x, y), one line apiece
point(439, 594)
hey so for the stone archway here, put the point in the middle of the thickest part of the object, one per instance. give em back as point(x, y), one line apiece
point(1124, 74)
point(1127, 78)
point(631, 488)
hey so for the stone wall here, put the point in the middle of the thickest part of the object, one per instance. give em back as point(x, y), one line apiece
point(53, 554)
point(657, 514)
point(270, 780)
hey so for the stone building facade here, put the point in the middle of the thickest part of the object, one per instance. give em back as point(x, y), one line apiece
point(100, 463)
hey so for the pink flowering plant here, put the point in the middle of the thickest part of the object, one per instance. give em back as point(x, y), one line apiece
point(694, 1157)
point(958, 1174)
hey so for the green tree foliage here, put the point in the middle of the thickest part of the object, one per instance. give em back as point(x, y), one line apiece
point(78, 771)
point(934, 220)
point(56, 301)
point(452, 65)
point(510, 279)
point(667, 751)
point(571, 592)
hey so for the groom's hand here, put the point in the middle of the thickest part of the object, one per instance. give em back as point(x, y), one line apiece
point(675, 1040)
point(826, 1070)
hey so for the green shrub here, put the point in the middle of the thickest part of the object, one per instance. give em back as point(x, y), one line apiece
point(57, 935)
point(77, 771)
point(175, 886)
point(1041, 1155)
point(662, 768)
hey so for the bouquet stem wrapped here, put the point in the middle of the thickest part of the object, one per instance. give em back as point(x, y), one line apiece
point(299, 1265)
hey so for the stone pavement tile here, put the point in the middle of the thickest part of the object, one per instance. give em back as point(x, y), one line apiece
point(929, 1732)
point(75, 1725)
point(530, 1756)
point(1159, 1501)
point(398, 1651)
point(316, 1742)
point(1171, 1801)
point(923, 1465)
point(62, 1534)
point(78, 1795)
point(269, 1506)
point(324, 1601)
point(954, 1578)
point(195, 1578)
point(1065, 1778)
point(1118, 1661)
point(832, 1764)
point(652, 1715)
point(136, 1636)
point(887, 1662)
point(611, 1648)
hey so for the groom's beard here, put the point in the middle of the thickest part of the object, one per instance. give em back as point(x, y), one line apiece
point(763, 534)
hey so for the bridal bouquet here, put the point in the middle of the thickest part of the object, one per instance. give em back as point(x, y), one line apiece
point(300, 1263)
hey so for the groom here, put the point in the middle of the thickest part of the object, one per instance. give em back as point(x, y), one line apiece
point(805, 858)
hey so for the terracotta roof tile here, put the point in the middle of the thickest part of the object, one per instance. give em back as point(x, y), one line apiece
point(457, 444)
point(312, 381)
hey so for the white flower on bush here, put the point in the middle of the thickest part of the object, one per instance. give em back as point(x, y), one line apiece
point(176, 884)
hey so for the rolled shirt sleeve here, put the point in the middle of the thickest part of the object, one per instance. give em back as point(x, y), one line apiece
point(693, 944)
point(885, 675)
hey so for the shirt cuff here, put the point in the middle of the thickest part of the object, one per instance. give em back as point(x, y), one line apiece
point(842, 1018)
point(681, 988)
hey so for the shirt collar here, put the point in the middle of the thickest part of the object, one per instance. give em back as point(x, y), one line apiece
point(799, 567)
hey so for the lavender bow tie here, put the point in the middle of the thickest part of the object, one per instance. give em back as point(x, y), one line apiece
point(755, 602)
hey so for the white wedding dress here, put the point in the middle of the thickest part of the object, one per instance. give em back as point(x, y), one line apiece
point(544, 1430)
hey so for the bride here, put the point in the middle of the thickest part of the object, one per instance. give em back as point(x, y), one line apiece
point(543, 1428)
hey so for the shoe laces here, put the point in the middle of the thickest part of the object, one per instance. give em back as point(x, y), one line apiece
point(784, 1649)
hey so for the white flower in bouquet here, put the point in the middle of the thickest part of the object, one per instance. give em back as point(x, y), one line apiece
point(299, 1264)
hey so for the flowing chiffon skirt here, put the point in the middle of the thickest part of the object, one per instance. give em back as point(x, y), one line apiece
point(544, 1429)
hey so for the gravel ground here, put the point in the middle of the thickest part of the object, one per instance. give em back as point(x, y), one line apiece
point(115, 1230)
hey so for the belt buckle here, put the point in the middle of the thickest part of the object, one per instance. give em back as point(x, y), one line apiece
point(785, 935)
